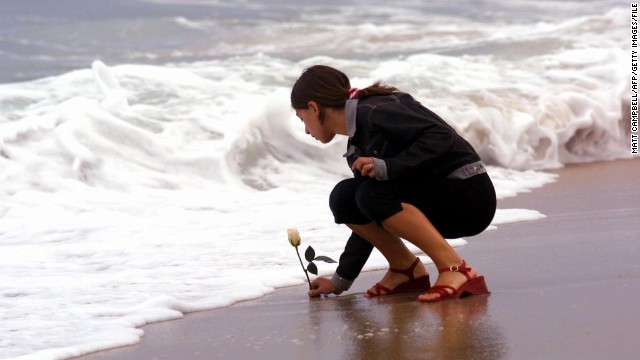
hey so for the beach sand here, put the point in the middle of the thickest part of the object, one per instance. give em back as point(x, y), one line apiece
point(564, 287)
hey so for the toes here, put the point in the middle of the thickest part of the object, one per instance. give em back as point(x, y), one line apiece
point(430, 296)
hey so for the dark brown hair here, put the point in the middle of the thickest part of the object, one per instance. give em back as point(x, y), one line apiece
point(329, 87)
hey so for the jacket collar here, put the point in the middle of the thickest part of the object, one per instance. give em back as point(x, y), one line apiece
point(351, 109)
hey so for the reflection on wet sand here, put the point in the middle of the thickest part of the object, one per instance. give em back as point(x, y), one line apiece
point(399, 327)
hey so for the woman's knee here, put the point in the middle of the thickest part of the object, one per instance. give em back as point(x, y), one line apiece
point(342, 202)
point(377, 201)
point(344, 191)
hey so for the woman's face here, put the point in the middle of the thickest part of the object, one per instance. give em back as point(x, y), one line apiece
point(312, 126)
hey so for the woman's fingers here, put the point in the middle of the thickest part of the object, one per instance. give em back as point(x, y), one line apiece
point(368, 170)
point(365, 166)
point(322, 286)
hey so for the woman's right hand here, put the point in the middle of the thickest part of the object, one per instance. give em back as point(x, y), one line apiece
point(365, 165)
point(321, 286)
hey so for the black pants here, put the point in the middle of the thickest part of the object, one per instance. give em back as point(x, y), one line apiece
point(456, 208)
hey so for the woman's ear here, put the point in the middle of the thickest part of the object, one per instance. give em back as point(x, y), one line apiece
point(313, 106)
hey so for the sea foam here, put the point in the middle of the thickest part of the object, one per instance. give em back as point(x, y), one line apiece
point(124, 214)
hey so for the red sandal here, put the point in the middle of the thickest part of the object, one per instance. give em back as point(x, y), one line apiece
point(414, 284)
point(473, 286)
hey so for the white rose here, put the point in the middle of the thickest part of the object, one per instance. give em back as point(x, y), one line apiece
point(294, 237)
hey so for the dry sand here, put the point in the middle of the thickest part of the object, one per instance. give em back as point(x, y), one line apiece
point(564, 287)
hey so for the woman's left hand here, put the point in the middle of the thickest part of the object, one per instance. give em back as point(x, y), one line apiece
point(365, 166)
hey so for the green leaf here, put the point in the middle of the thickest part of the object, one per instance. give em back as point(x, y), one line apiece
point(309, 254)
point(325, 259)
point(312, 268)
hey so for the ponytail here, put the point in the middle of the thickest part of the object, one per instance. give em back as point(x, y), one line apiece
point(377, 89)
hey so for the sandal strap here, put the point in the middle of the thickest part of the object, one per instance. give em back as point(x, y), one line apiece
point(463, 269)
point(379, 287)
point(408, 272)
point(441, 290)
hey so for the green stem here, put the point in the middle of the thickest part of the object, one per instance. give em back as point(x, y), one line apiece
point(303, 268)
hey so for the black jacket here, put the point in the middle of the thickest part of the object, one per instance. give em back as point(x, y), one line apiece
point(412, 141)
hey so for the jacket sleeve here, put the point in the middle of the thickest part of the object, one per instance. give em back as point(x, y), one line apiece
point(423, 136)
point(355, 255)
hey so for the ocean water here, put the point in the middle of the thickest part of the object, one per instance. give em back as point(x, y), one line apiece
point(151, 164)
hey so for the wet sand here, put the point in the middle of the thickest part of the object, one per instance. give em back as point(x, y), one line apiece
point(564, 287)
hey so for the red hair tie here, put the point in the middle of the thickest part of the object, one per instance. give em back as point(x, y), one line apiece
point(354, 93)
